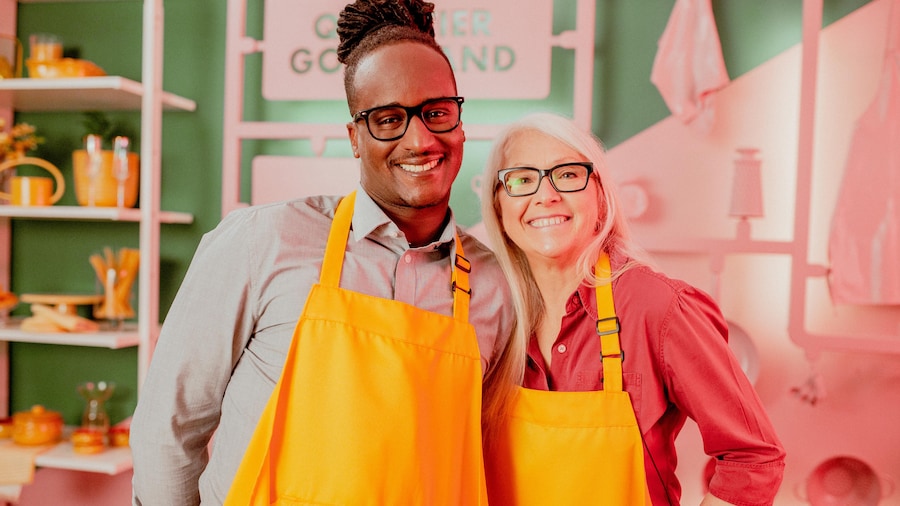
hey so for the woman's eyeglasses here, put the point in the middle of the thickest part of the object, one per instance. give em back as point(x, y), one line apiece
point(565, 178)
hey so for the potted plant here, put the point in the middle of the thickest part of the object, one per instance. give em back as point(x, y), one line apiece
point(107, 168)
point(18, 140)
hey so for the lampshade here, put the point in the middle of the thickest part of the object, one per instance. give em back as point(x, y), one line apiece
point(746, 188)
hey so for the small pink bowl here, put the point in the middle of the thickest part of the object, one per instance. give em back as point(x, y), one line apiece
point(844, 481)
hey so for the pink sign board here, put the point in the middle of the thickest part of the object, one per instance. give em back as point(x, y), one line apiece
point(498, 48)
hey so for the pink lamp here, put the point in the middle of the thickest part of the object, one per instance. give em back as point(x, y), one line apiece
point(746, 189)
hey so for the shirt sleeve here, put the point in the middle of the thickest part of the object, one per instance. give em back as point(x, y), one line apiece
point(706, 382)
point(205, 330)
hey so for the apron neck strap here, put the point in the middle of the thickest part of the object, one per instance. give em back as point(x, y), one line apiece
point(608, 327)
point(333, 261)
point(462, 292)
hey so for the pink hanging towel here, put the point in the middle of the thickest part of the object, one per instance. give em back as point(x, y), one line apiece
point(689, 68)
point(864, 245)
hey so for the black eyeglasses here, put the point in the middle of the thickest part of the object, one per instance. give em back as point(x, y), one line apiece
point(565, 178)
point(389, 122)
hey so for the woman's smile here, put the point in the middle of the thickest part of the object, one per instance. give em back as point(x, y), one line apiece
point(548, 221)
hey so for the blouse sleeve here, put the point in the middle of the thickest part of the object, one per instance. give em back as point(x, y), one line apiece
point(706, 382)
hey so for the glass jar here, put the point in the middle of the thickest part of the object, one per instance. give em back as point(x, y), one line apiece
point(95, 395)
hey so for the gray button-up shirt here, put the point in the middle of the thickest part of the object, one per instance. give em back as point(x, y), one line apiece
point(225, 339)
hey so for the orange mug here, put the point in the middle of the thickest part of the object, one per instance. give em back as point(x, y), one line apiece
point(33, 190)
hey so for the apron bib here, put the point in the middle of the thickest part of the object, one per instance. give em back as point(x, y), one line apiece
point(379, 402)
point(567, 448)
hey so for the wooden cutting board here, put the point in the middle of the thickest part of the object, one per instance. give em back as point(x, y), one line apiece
point(64, 303)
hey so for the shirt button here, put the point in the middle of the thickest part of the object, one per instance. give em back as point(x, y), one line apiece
point(407, 258)
point(561, 348)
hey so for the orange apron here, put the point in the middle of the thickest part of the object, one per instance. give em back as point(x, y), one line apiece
point(566, 448)
point(379, 401)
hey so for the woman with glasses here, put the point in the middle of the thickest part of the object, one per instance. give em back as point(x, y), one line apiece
point(609, 356)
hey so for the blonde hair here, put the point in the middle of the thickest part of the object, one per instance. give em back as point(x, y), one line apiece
point(612, 235)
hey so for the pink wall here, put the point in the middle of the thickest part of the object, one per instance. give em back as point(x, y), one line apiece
point(76, 488)
point(688, 178)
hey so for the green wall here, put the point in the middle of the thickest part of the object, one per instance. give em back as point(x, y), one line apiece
point(52, 256)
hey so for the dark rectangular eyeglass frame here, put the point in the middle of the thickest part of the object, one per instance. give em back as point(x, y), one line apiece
point(415, 110)
point(545, 172)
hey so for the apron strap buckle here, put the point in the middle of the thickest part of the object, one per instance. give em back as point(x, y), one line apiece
point(608, 330)
point(454, 287)
point(463, 264)
point(620, 354)
point(607, 326)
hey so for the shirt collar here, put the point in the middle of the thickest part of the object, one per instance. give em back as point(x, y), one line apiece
point(585, 299)
point(369, 219)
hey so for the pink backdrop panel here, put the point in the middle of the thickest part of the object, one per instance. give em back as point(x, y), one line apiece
point(278, 178)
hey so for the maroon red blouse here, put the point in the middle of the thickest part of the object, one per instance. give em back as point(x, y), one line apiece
point(677, 364)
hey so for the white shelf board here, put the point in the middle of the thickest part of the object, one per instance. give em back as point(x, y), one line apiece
point(81, 94)
point(69, 1)
point(109, 461)
point(89, 213)
point(114, 339)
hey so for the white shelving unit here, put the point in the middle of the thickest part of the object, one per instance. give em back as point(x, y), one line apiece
point(89, 214)
point(113, 339)
point(99, 93)
point(62, 456)
point(111, 93)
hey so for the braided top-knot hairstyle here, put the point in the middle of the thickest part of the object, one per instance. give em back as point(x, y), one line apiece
point(367, 25)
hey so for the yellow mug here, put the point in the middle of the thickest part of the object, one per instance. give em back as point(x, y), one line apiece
point(33, 190)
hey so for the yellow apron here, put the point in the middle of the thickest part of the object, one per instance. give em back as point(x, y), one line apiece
point(379, 402)
point(568, 448)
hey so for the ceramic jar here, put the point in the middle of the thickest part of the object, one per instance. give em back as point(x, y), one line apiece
point(37, 426)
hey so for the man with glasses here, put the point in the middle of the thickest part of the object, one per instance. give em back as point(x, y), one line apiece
point(337, 344)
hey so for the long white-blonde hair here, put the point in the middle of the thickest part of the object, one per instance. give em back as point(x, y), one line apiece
point(612, 236)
